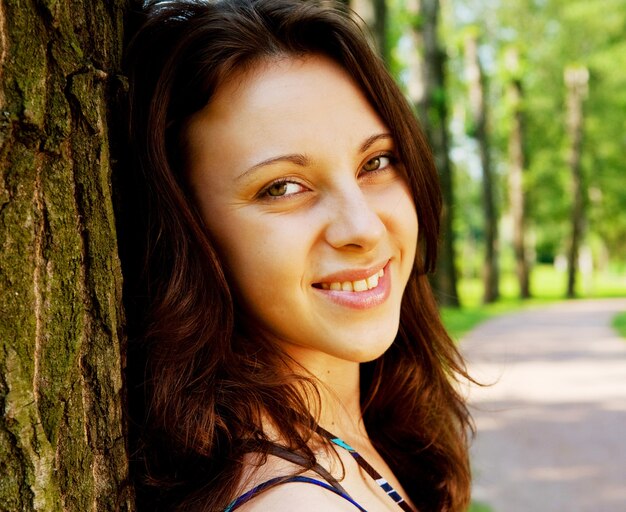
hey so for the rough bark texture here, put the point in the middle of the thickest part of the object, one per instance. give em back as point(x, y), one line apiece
point(576, 81)
point(62, 443)
point(478, 109)
point(433, 108)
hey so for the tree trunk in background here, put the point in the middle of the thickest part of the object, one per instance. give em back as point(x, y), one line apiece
point(374, 14)
point(577, 83)
point(62, 439)
point(380, 28)
point(428, 92)
point(478, 108)
point(517, 163)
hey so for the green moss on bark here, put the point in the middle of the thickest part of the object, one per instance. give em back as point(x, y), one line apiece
point(62, 434)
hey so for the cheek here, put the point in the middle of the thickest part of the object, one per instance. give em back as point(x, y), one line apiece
point(404, 226)
point(398, 209)
point(264, 257)
point(406, 210)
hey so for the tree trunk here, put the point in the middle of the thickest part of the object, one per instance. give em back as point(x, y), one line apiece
point(428, 91)
point(374, 14)
point(479, 121)
point(517, 163)
point(62, 438)
point(577, 83)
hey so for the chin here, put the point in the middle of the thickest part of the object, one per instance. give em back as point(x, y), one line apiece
point(371, 350)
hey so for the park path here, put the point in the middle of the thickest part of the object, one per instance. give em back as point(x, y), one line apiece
point(552, 428)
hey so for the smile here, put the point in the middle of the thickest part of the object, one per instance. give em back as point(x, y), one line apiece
point(361, 285)
point(364, 292)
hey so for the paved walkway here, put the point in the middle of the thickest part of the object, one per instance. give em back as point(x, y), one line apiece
point(552, 428)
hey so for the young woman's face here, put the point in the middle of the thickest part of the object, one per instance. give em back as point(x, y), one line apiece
point(296, 178)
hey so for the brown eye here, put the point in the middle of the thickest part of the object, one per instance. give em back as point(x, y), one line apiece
point(282, 188)
point(378, 163)
point(372, 165)
point(277, 189)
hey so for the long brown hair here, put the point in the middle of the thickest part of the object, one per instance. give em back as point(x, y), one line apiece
point(208, 376)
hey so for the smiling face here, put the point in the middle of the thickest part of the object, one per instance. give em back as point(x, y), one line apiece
point(296, 178)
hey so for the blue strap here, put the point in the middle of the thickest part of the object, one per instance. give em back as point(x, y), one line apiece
point(282, 480)
point(343, 444)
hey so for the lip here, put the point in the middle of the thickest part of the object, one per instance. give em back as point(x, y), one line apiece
point(353, 275)
point(358, 300)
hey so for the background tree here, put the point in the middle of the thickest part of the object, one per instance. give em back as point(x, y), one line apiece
point(577, 82)
point(517, 163)
point(62, 439)
point(587, 34)
point(479, 130)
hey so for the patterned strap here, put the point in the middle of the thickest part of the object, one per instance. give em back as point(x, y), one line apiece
point(283, 480)
point(384, 485)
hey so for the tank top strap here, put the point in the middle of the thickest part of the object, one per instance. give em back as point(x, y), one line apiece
point(368, 468)
point(296, 458)
point(237, 502)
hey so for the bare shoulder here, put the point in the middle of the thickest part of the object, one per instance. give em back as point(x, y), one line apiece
point(298, 497)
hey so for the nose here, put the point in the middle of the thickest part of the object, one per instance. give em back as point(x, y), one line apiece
point(353, 221)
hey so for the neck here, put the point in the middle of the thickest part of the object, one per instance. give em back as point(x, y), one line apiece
point(341, 404)
point(339, 388)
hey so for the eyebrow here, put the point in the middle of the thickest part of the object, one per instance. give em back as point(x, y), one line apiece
point(302, 160)
point(374, 138)
point(295, 158)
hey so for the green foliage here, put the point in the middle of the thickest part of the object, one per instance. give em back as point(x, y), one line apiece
point(548, 36)
point(399, 23)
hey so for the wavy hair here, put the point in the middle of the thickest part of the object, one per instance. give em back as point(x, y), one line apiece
point(208, 376)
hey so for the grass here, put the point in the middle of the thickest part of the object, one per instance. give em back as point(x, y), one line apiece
point(547, 285)
point(619, 323)
point(462, 320)
point(477, 506)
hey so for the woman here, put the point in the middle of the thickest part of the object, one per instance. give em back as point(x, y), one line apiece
point(292, 333)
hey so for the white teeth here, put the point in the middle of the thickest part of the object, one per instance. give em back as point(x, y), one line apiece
point(360, 286)
point(355, 286)
point(372, 282)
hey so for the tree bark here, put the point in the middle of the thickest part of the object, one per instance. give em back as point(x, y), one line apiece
point(62, 438)
point(577, 83)
point(428, 91)
point(478, 109)
point(517, 164)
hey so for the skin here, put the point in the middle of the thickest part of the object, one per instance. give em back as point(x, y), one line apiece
point(296, 179)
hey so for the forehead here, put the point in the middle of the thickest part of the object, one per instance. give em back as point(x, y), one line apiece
point(281, 103)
